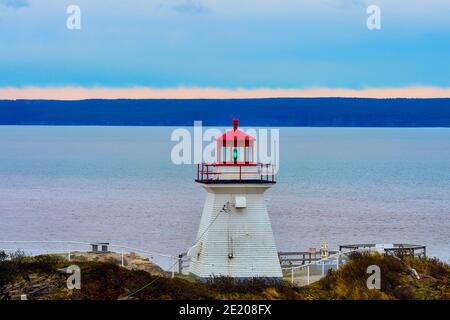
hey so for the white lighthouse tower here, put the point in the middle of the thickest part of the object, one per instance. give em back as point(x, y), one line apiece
point(235, 236)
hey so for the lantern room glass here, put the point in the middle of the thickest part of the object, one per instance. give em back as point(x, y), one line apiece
point(239, 154)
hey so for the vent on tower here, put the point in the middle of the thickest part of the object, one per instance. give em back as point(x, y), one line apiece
point(240, 202)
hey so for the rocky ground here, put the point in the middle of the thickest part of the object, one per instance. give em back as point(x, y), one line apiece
point(132, 260)
point(103, 277)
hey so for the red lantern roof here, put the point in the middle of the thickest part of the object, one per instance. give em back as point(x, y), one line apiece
point(235, 134)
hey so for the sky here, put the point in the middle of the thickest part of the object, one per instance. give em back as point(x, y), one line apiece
point(224, 48)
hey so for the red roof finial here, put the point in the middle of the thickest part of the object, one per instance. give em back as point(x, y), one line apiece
point(235, 123)
point(235, 134)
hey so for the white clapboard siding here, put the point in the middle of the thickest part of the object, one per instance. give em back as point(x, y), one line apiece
point(245, 231)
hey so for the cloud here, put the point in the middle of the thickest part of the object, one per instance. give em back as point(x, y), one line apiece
point(345, 4)
point(186, 6)
point(15, 3)
point(79, 93)
point(191, 7)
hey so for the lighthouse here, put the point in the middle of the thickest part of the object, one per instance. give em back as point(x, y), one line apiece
point(235, 237)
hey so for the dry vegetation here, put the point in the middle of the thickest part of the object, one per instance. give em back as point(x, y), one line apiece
point(43, 277)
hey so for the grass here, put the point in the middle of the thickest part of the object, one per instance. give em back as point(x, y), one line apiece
point(103, 280)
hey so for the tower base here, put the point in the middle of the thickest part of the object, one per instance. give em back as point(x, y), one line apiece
point(235, 237)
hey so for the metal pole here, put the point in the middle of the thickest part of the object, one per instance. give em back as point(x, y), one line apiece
point(68, 254)
point(337, 261)
point(307, 274)
point(180, 264)
point(122, 262)
point(323, 268)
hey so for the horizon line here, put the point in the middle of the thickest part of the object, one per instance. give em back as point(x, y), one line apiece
point(140, 92)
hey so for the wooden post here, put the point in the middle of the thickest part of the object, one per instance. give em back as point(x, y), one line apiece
point(307, 274)
point(292, 276)
point(173, 270)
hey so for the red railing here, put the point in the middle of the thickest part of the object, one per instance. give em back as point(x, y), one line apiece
point(221, 172)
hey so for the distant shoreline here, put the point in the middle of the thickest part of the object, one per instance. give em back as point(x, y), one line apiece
point(187, 126)
point(261, 112)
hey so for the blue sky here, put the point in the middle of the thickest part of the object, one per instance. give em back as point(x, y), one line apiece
point(225, 44)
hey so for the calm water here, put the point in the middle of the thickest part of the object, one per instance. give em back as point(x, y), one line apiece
point(341, 185)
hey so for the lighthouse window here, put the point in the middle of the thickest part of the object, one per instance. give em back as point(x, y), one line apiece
point(241, 154)
point(232, 154)
point(227, 155)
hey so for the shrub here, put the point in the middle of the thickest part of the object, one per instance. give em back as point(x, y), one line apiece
point(3, 255)
point(17, 256)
